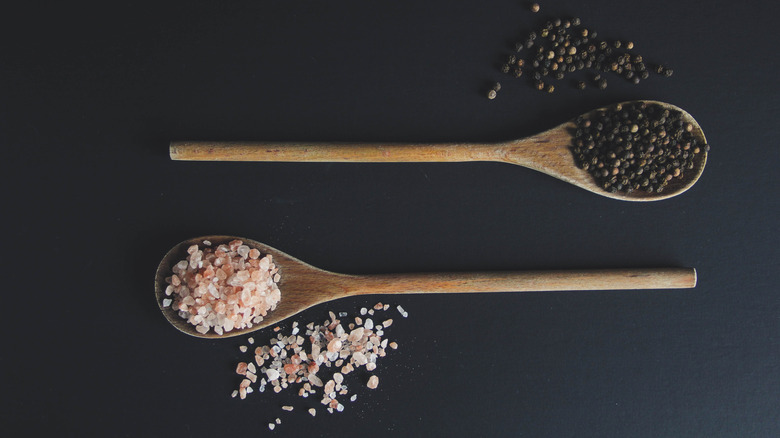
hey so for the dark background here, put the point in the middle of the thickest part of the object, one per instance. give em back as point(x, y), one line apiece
point(93, 92)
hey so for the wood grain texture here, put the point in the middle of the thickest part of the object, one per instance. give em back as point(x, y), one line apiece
point(304, 286)
point(547, 152)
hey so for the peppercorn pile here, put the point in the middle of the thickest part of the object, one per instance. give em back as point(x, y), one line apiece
point(636, 146)
point(563, 47)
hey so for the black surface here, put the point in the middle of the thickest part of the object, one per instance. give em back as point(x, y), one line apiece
point(93, 93)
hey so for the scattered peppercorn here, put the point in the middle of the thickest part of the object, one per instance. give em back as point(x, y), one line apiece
point(491, 94)
point(636, 146)
point(564, 46)
point(581, 85)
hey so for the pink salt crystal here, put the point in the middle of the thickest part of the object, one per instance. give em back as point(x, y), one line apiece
point(251, 367)
point(329, 386)
point(242, 393)
point(359, 358)
point(338, 378)
point(387, 323)
point(277, 389)
point(356, 335)
point(334, 345)
point(312, 411)
point(234, 394)
point(251, 376)
point(243, 348)
point(385, 307)
point(316, 381)
point(287, 408)
point(241, 368)
point(373, 382)
point(272, 374)
point(394, 345)
point(378, 306)
point(370, 366)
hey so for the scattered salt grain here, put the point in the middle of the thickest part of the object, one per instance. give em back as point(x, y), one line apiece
point(402, 311)
point(379, 306)
point(394, 345)
point(234, 394)
point(363, 310)
point(251, 340)
point(287, 363)
point(278, 421)
point(243, 348)
point(167, 302)
point(271, 426)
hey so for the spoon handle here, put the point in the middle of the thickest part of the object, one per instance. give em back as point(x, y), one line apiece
point(334, 152)
point(528, 281)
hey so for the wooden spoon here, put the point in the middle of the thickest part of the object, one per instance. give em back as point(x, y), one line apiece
point(547, 152)
point(303, 286)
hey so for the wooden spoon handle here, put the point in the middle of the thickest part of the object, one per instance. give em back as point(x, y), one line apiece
point(333, 152)
point(530, 281)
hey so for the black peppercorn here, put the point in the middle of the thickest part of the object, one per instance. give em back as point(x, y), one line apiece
point(581, 86)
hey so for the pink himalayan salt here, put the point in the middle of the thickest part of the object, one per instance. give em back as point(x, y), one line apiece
point(241, 368)
point(223, 288)
point(373, 382)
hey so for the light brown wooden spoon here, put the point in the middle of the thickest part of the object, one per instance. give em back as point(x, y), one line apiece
point(303, 286)
point(547, 152)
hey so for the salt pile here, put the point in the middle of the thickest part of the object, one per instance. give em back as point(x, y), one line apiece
point(230, 287)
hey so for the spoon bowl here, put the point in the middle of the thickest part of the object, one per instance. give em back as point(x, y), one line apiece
point(303, 286)
point(548, 152)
